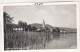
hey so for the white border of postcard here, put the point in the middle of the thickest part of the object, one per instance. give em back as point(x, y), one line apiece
point(45, 50)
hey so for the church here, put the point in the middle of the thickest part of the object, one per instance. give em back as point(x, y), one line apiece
point(44, 28)
point(43, 25)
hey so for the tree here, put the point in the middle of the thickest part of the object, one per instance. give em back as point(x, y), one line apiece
point(7, 21)
point(7, 18)
point(57, 29)
point(7, 27)
point(22, 24)
point(34, 28)
point(29, 27)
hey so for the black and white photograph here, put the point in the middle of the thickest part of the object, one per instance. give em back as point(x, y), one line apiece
point(40, 27)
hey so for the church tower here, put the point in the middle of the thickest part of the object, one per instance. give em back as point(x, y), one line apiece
point(43, 25)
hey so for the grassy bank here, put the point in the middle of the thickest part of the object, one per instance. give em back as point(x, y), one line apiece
point(22, 39)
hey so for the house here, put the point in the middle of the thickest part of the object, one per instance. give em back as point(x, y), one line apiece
point(38, 30)
point(16, 27)
point(62, 31)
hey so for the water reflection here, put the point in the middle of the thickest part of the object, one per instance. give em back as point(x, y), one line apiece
point(55, 40)
point(47, 39)
point(56, 35)
point(53, 36)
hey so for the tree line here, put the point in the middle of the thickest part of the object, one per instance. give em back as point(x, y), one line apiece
point(8, 25)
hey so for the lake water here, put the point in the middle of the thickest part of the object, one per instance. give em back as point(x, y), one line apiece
point(61, 41)
point(64, 41)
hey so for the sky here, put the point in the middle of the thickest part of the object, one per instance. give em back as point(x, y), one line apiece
point(55, 15)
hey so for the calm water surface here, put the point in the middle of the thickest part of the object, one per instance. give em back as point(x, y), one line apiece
point(63, 41)
point(58, 41)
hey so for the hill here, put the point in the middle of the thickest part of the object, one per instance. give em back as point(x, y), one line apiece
point(49, 26)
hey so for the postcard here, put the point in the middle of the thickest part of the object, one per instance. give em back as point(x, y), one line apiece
point(39, 26)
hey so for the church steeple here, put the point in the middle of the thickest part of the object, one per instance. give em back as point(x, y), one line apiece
point(43, 25)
